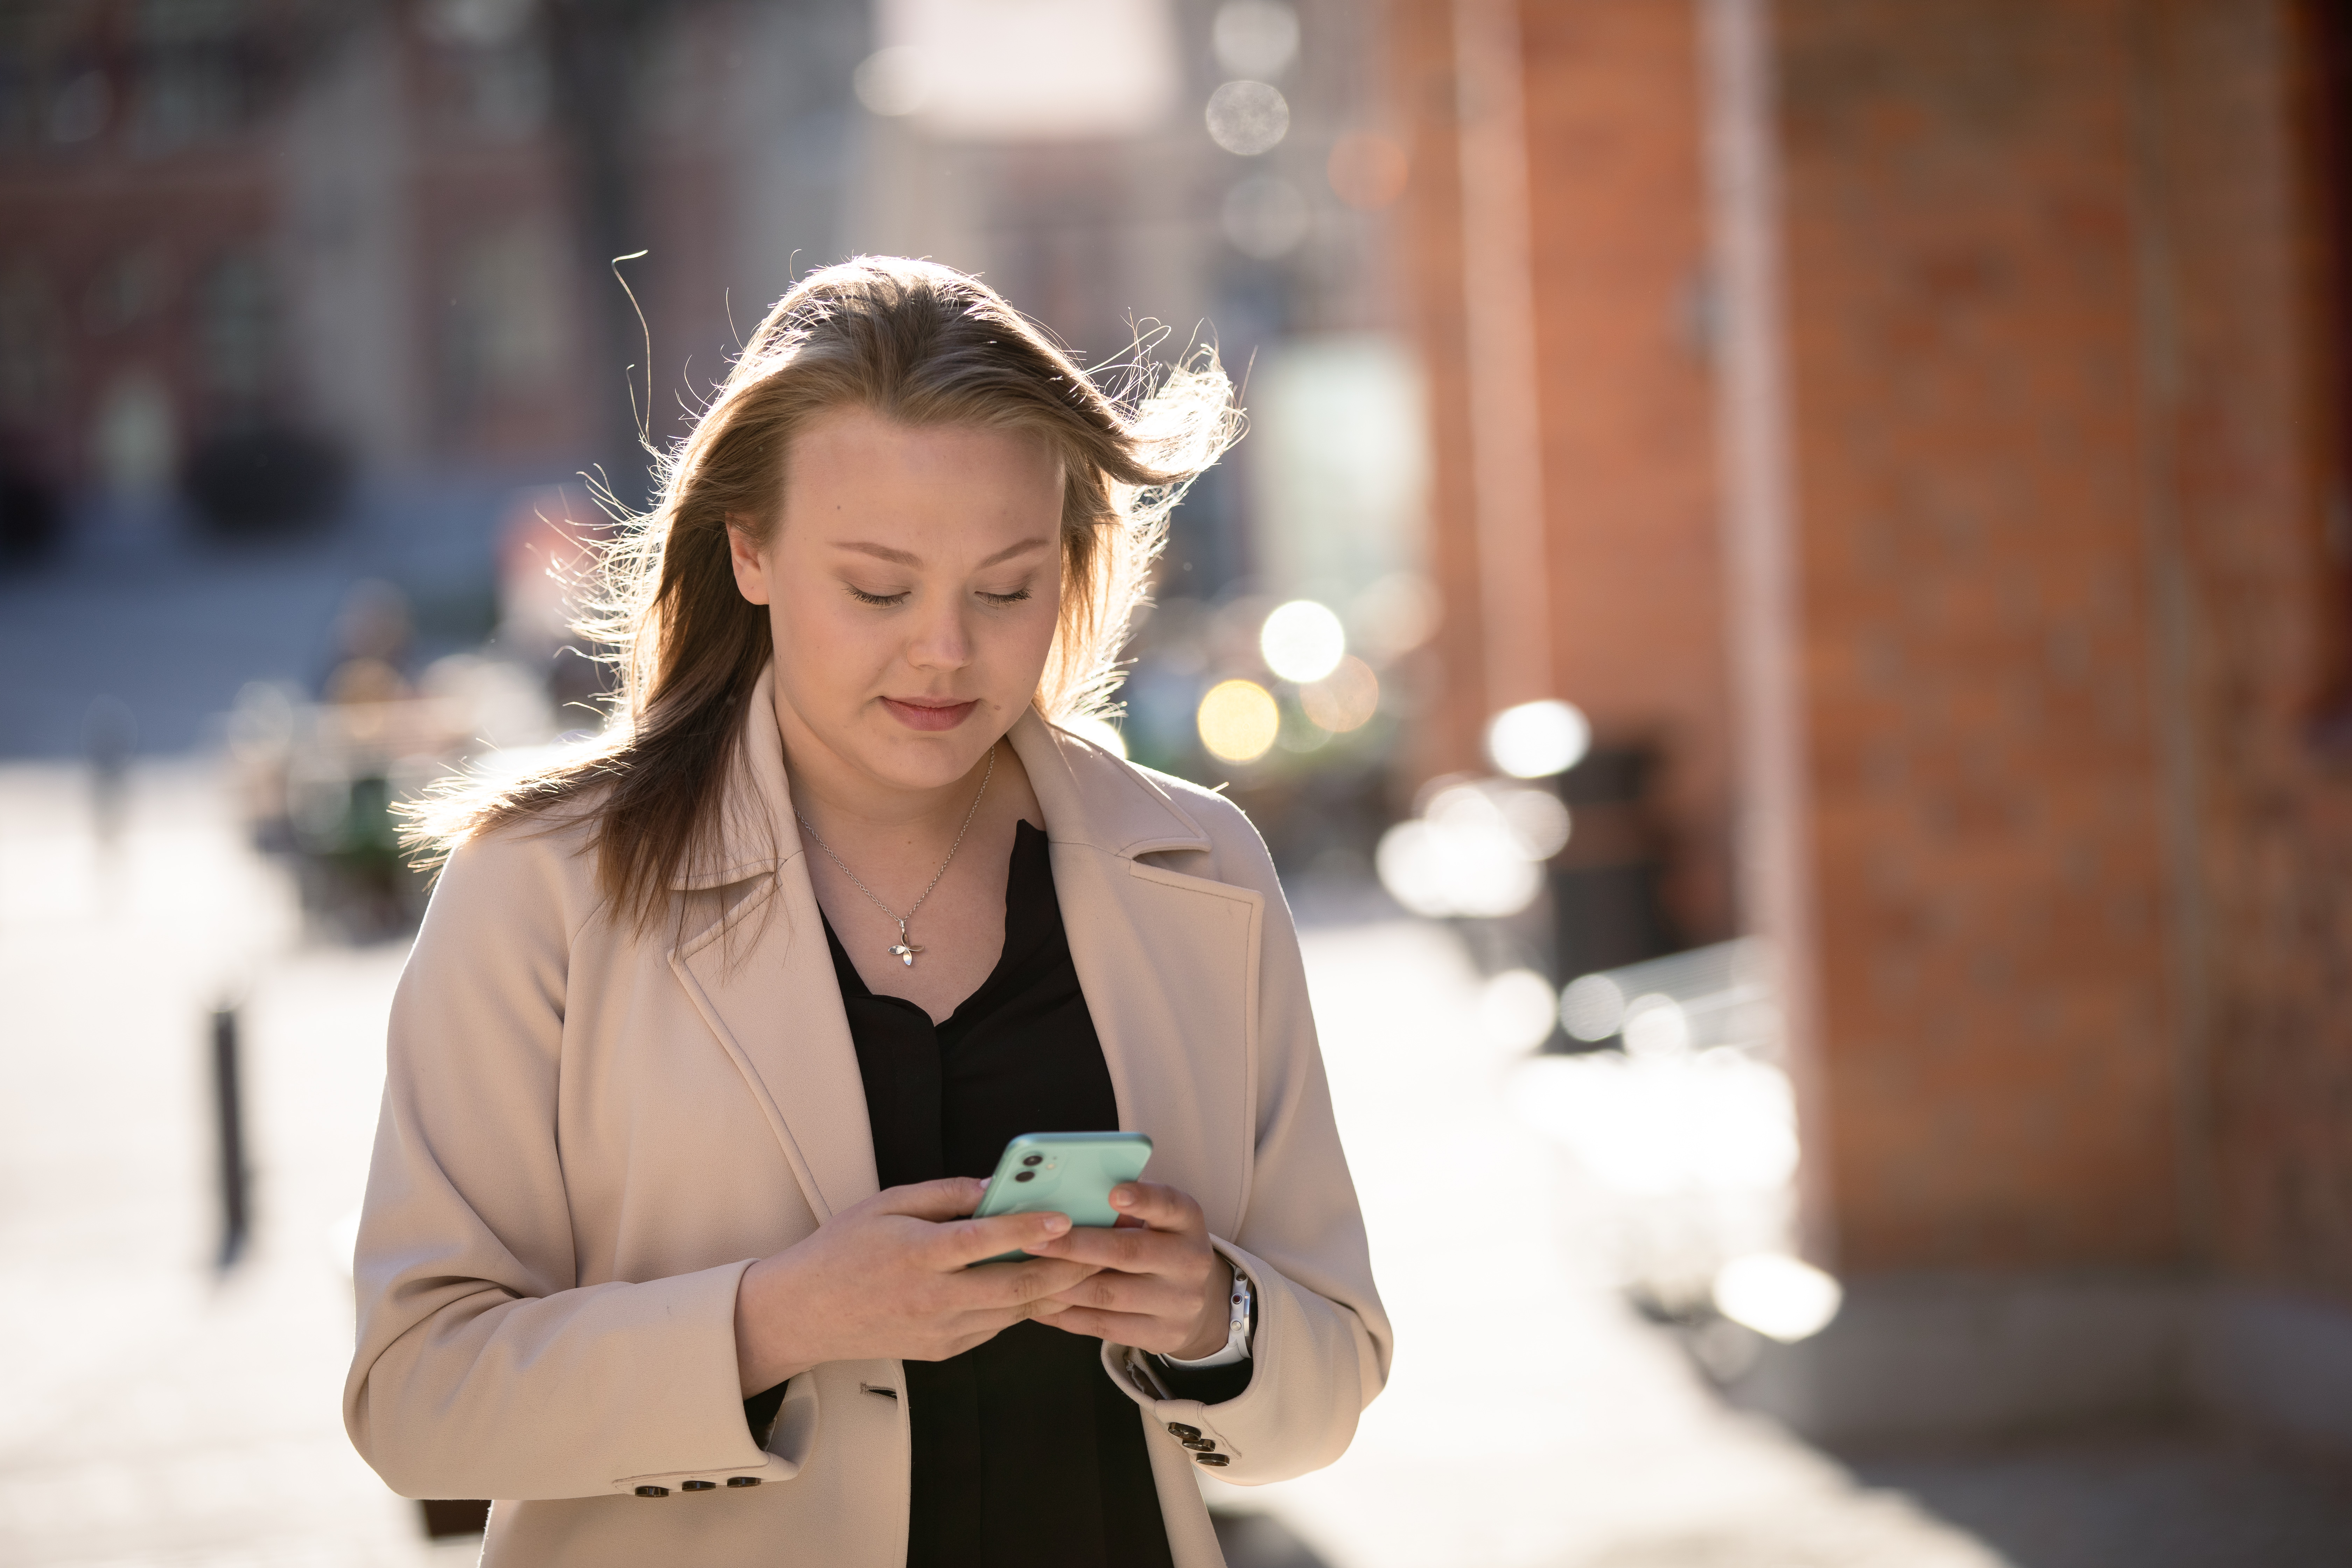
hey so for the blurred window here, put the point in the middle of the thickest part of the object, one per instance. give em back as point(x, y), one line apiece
point(32, 341)
point(20, 82)
point(191, 78)
point(490, 73)
point(127, 290)
point(235, 328)
point(135, 438)
point(502, 337)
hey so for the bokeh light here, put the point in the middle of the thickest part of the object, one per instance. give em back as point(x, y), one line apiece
point(1238, 720)
point(1395, 614)
point(1456, 868)
point(1656, 1026)
point(1344, 700)
point(1592, 1008)
point(1254, 38)
point(1302, 641)
point(1536, 740)
point(1535, 820)
point(893, 81)
point(1709, 1122)
point(1516, 1011)
point(1248, 118)
point(1784, 1297)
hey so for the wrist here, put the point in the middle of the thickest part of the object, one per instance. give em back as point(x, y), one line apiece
point(1209, 1329)
point(767, 1351)
point(1237, 1319)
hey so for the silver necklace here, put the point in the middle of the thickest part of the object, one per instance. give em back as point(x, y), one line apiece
point(903, 950)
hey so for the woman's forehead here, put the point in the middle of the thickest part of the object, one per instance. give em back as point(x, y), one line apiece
point(943, 494)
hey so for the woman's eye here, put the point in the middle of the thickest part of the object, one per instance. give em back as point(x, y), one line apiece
point(1014, 597)
point(863, 597)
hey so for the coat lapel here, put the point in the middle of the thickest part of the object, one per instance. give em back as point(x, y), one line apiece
point(762, 979)
point(1167, 962)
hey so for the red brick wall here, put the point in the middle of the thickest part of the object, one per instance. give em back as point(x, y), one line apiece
point(2258, 400)
point(1618, 226)
point(2067, 361)
point(1615, 122)
point(1966, 369)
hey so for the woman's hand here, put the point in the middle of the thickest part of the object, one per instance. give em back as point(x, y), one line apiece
point(1153, 1283)
point(887, 1278)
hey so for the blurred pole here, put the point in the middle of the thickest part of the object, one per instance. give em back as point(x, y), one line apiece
point(109, 735)
point(1499, 302)
point(229, 1110)
point(1759, 548)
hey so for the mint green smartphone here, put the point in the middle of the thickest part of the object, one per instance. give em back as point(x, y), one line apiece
point(1063, 1173)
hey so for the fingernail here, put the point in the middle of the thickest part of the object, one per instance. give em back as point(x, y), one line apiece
point(1122, 1198)
point(1056, 1223)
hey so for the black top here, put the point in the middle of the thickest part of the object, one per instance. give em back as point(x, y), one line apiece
point(1025, 1452)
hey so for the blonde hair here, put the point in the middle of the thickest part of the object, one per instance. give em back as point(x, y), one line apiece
point(915, 342)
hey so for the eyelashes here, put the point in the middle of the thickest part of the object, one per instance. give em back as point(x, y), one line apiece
point(891, 601)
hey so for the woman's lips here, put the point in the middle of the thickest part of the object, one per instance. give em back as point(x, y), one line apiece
point(921, 715)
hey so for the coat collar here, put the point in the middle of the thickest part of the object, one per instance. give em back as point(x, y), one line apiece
point(772, 999)
point(1088, 797)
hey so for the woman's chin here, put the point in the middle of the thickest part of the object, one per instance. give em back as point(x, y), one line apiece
point(901, 757)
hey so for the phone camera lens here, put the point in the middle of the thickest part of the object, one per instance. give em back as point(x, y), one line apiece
point(1024, 1175)
point(1034, 1160)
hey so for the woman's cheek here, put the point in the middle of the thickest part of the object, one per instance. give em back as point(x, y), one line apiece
point(1031, 640)
point(828, 644)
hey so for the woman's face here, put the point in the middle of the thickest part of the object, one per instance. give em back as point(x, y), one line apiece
point(913, 587)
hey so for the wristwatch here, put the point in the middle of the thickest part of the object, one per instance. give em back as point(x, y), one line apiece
point(1243, 1305)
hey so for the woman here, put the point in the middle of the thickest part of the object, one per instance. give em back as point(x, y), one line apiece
point(707, 1037)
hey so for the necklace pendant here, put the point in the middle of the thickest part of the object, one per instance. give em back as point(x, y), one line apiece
point(903, 950)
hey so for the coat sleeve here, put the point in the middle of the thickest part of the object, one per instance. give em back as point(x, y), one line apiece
point(483, 1368)
point(1321, 1348)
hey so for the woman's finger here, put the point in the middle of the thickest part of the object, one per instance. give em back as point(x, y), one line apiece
point(1160, 1207)
point(1134, 1250)
point(1144, 1295)
point(950, 1197)
point(1016, 1285)
point(1121, 1328)
point(976, 1240)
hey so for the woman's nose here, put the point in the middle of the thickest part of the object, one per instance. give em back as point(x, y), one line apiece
point(941, 640)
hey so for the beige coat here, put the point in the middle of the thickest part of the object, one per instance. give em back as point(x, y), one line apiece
point(587, 1135)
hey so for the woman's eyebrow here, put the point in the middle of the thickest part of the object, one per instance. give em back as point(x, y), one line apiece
point(907, 558)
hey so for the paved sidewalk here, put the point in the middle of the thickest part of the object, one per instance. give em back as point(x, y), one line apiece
point(154, 1413)
point(1533, 1421)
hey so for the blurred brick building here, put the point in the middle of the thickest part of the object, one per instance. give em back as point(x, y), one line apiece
point(385, 225)
point(1938, 460)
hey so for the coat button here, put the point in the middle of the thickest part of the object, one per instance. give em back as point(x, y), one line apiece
point(742, 1481)
point(653, 1491)
point(1178, 1429)
point(697, 1485)
point(1215, 1461)
point(1201, 1444)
